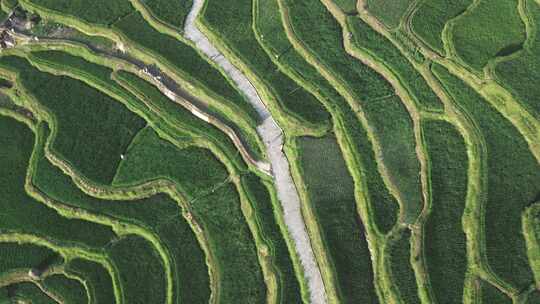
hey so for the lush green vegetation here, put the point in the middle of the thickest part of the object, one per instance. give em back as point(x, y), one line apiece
point(29, 293)
point(389, 12)
point(69, 290)
point(241, 279)
point(384, 110)
point(17, 142)
point(492, 28)
point(98, 280)
point(402, 271)
point(512, 182)
point(101, 12)
point(534, 298)
point(492, 295)
point(26, 256)
point(445, 243)
point(331, 192)
point(159, 214)
point(269, 21)
point(140, 269)
point(347, 6)
point(430, 18)
point(92, 129)
point(178, 116)
point(181, 57)
point(239, 37)
point(171, 12)
point(520, 73)
point(196, 171)
point(266, 214)
point(377, 45)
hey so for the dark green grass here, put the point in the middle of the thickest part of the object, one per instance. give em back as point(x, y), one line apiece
point(230, 240)
point(4, 295)
point(29, 293)
point(445, 243)
point(534, 298)
point(430, 18)
point(181, 57)
point(10, 4)
point(140, 269)
point(173, 13)
point(331, 191)
point(25, 256)
point(493, 28)
point(402, 271)
point(17, 142)
point(239, 37)
point(269, 21)
point(93, 130)
point(97, 278)
point(521, 73)
point(158, 213)
point(380, 47)
point(177, 115)
point(390, 120)
point(512, 182)
point(102, 12)
point(389, 12)
point(492, 295)
point(70, 290)
point(194, 170)
point(262, 203)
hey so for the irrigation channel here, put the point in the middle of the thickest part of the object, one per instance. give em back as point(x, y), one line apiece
point(272, 136)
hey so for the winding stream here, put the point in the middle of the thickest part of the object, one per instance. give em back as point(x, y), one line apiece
point(272, 136)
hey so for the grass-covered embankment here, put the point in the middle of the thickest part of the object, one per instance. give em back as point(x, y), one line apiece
point(511, 176)
point(239, 39)
point(391, 124)
point(444, 237)
point(98, 281)
point(401, 268)
point(330, 190)
point(68, 289)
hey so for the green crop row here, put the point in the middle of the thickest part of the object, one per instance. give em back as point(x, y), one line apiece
point(269, 21)
point(266, 213)
point(402, 271)
point(389, 12)
point(239, 37)
point(431, 17)
point(170, 53)
point(67, 289)
point(378, 46)
point(26, 256)
point(140, 270)
point(330, 189)
point(27, 292)
point(173, 13)
point(511, 178)
point(445, 242)
point(217, 210)
point(521, 73)
point(98, 280)
point(490, 294)
point(178, 116)
point(102, 12)
point(91, 130)
point(158, 213)
point(490, 29)
point(386, 114)
point(17, 141)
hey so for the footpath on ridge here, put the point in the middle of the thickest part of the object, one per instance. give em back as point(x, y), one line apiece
point(272, 136)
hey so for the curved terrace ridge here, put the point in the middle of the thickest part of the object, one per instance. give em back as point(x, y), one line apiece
point(272, 136)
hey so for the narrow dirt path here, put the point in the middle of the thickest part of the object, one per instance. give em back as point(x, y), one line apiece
point(272, 136)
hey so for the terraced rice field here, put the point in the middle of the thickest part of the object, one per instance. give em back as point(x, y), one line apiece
point(269, 151)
